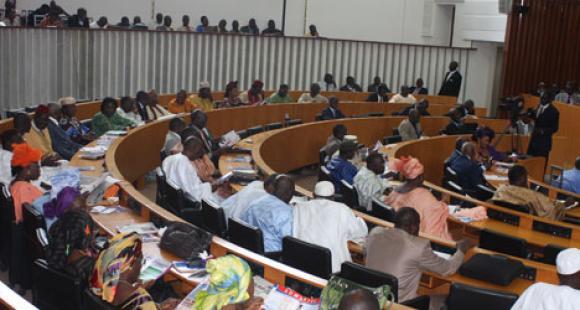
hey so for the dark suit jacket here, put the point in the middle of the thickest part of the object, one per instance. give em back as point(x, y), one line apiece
point(408, 109)
point(61, 142)
point(374, 88)
point(355, 86)
point(374, 97)
point(74, 21)
point(546, 125)
point(469, 173)
point(327, 114)
point(422, 91)
point(451, 86)
point(452, 129)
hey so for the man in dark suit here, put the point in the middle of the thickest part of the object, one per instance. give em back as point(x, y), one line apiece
point(142, 99)
point(351, 85)
point(61, 142)
point(452, 83)
point(469, 171)
point(418, 89)
point(381, 95)
point(79, 20)
point(373, 88)
point(547, 119)
point(332, 111)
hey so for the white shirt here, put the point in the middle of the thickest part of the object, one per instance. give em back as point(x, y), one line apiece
point(307, 98)
point(181, 174)
point(368, 185)
point(400, 99)
point(328, 224)
point(238, 203)
point(5, 167)
point(544, 296)
point(132, 116)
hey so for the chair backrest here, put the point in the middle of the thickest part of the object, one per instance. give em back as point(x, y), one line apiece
point(511, 206)
point(503, 243)
point(556, 175)
point(161, 193)
point(324, 174)
point(33, 221)
point(369, 277)
point(52, 289)
point(541, 189)
point(462, 296)
point(175, 199)
point(246, 236)
point(349, 194)
point(307, 257)
point(255, 130)
point(273, 126)
point(551, 252)
point(392, 139)
point(213, 218)
point(322, 157)
point(382, 211)
point(6, 220)
point(294, 122)
point(376, 114)
point(449, 174)
point(243, 134)
point(94, 302)
point(318, 117)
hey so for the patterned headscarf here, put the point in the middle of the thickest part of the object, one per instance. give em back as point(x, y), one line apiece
point(230, 277)
point(409, 167)
point(121, 254)
point(74, 230)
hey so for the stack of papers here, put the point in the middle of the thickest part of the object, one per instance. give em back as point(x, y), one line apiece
point(229, 139)
point(93, 152)
point(495, 177)
point(153, 269)
point(147, 231)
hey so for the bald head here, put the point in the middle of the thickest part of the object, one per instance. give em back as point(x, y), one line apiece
point(468, 149)
point(359, 300)
point(283, 188)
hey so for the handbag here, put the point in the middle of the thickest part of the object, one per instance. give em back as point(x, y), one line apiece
point(185, 240)
point(338, 287)
point(496, 269)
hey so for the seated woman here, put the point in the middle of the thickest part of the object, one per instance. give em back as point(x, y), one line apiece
point(486, 150)
point(108, 119)
point(230, 286)
point(231, 96)
point(411, 194)
point(255, 95)
point(25, 168)
point(71, 244)
point(115, 277)
point(78, 132)
point(153, 109)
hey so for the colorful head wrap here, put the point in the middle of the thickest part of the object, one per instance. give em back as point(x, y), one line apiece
point(121, 254)
point(230, 277)
point(63, 201)
point(257, 84)
point(409, 167)
point(23, 155)
point(41, 109)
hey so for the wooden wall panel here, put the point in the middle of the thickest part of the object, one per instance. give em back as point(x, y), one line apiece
point(542, 45)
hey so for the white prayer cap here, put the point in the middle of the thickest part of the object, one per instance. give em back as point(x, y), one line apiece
point(204, 84)
point(351, 138)
point(324, 189)
point(568, 261)
point(66, 101)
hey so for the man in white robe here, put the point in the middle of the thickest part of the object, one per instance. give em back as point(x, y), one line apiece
point(239, 202)
point(328, 224)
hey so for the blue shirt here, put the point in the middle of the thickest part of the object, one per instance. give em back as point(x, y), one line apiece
point(341, 169)
point(571, 181)
point(274, 217)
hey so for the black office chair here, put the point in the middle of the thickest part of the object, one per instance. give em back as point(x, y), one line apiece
point(392, 139)
point(273, 126)
point(324, 175)
point(551, 252)
point(179, 205)
point(318, 117)
point(294, 122)
point(94, 302)
point(376, 114)
point(511, 206)
point(502, 243)
point(462, 296)
point(242, 134)
point(382, 211)
point(213, 218)
point(255, 130)
point(322, 157)
point(307, 257)
point(396, 131)
point(161, 193)
point(349, 195)
point(556, 173)
point(6, 219)
point(53, 289)
point(541, 189)
point(246, 236)
point(33, 221)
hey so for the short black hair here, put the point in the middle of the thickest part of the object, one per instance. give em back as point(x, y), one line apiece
point(20, 120)
point(407, 217)
point(106, 101)
point(372, 157)
point(516, 173)
point(283, 86)
point(7, 137)
point(359, 299)
point(176, 123)
point(340, 128)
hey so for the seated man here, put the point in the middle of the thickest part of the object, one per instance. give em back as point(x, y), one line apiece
point(374, 87)
point(518, 193)
point(211, 145)
point(421, 105)
point(38, 136)
point(273, 214)
point(332, 111)
point(418, 89)
point(172, 143)
point(403, 96)
point(456, 152)
point(203, 99)
point(469, 171)
point(568, 94)
point(381, 95)
point(313, 96)
point(181, 174)
point(351, 85)
point(334, 141)
point(455, 125)
point(239, 202)
point(181, 104)
point(281, 96)
point(108, 119)
point(403, 254)
point(369, 183)
point(571, 179)
point(340, 167)
point(128, 109)
point(410, 128)
point(328, 224)
point(467, 108)
point(61, 142)
point(566, 296)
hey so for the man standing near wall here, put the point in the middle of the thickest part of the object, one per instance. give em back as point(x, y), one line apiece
point(452, 82)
